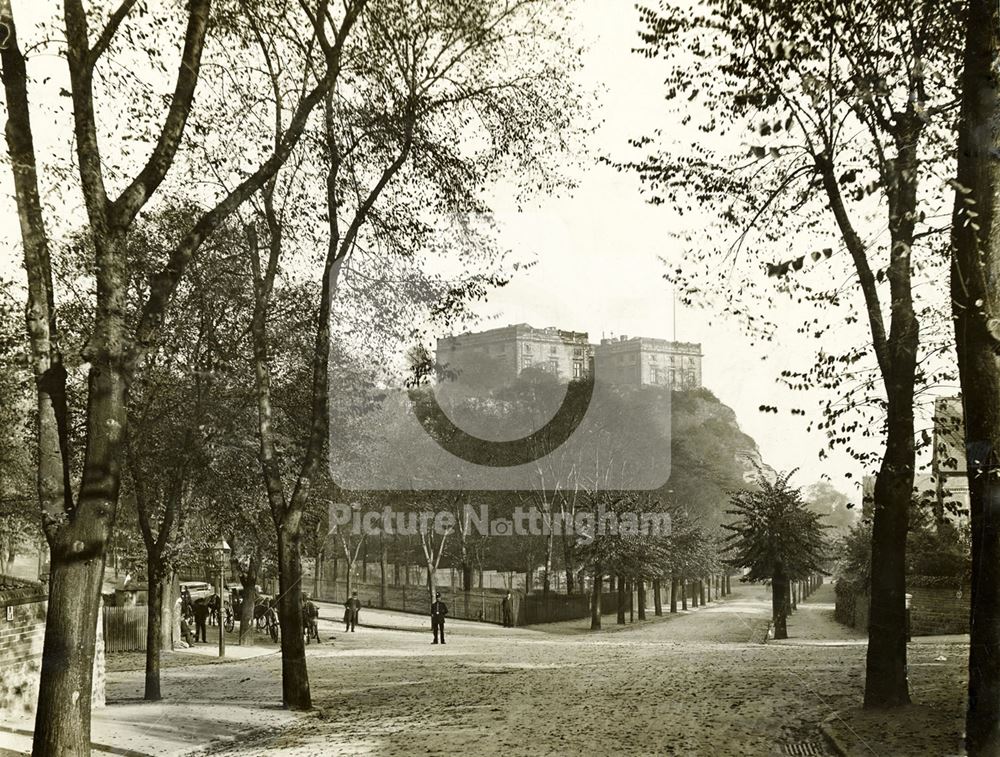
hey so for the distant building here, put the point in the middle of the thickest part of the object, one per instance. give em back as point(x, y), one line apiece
point(946, 487)
point(644, 361)
point(867, 496)
point(499, 355)
point(949, 465)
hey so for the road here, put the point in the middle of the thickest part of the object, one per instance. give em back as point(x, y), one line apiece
point(688, 684)
point(695, 683)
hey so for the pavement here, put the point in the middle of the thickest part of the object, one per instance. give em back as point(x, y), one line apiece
point(691, 683)
point(202, 703)
point(391, 620)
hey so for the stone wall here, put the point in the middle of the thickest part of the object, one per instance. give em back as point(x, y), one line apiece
point(22, 634)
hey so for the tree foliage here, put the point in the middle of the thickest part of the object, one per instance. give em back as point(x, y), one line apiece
point(773, 532)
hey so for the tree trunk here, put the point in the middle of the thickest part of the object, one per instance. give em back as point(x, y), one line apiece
point(595, 600)
point(549, 546)
point(976, 308)
point(629, 591)
point(701, 592)
point(620, 619)
point(673, 593)
point(318, 574)
point(684, 595)
point(384, 570)
point(657, 599)
point(885, 669)
point(729, 588)
point(569, 561)
point(154, 638)
point(248, 579)
point(467, 575)
point(779, 606)
point(169, 608)
point(62, 720)
point(641, 589)
point(294, 676)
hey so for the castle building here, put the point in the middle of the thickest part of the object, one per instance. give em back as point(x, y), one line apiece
point(497, 356)
point(645, 361)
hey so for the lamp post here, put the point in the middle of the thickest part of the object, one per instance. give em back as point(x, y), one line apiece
point(222, 553)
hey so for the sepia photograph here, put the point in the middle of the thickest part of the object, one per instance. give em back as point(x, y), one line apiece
point(646, 354)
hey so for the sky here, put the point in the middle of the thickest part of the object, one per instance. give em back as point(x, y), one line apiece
point(600, 254)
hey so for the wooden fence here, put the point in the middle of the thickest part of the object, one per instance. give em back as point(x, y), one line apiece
point(478, 604)
point(125, 629)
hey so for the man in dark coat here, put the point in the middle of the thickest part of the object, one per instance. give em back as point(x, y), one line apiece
point(187, 606)
point(201, 612)
point(439, 610)
point(351, 609)
point(507, 610)
point(310, 613)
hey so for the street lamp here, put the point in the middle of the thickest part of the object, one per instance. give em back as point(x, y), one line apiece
point(222, 554)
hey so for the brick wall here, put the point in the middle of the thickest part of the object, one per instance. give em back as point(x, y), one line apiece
point(933, 611)
point(938, 611)
point(21, 648)
point(21, 640)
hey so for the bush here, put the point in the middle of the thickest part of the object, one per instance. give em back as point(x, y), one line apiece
point(938, 551)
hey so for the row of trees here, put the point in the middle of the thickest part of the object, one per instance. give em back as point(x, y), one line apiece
point(848, 114)
point(282, 199)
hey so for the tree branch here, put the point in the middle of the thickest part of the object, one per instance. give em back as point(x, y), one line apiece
point(132, 199)
point(109, 32)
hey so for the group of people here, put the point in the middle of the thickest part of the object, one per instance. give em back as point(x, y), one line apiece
point(203, 610)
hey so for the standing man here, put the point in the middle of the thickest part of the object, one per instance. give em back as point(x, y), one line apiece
point(507, 611)
point(309, 615)
point(351, 609)
point(438, 612)
point(200, 616)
